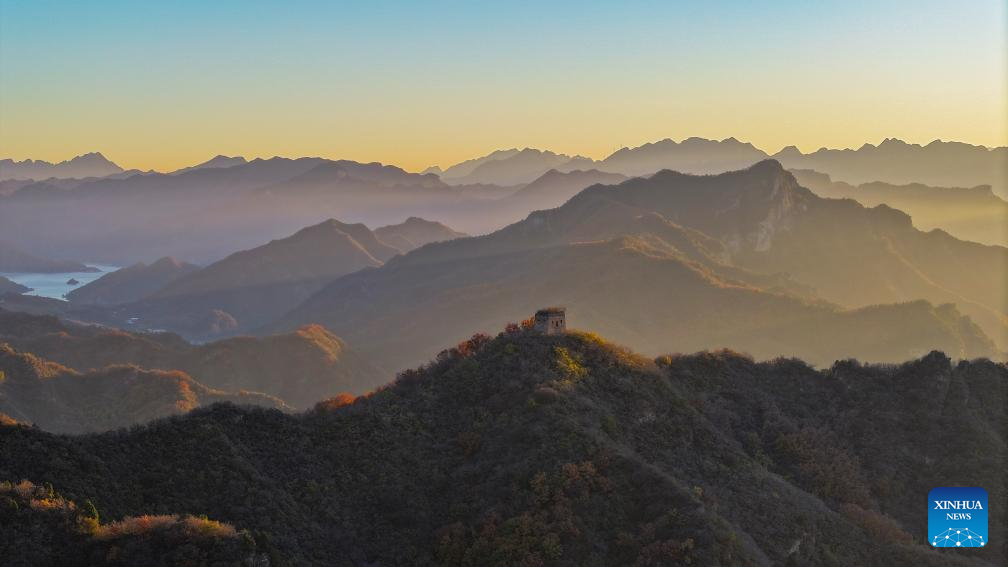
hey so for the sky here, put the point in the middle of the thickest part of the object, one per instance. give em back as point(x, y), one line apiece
point(161, 85)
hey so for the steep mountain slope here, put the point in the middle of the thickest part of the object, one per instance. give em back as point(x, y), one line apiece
point(554, 188)
point(644, 291)
point(7, 286)
point(131, 283)
point(769, 224)
point(13, 259)
point(415, 232)
point(744, 229)
point(88, 165)
point(62, 400)
point(300, 368)
point(692, 155)
point(251, 287)
point(975, 213)
point(945, 164)
point(566, 450)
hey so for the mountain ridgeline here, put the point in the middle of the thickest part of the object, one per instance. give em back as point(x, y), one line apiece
point(157, 372)
point(13, 259)
point(973, 213)
point(131, 283)
point(61, 400)
point(249, 289)
point(562, 450)
point(230, 203)
point(748, 260)
point(88, 165)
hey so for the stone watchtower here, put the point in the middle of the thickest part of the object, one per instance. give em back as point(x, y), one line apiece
point(551, 321)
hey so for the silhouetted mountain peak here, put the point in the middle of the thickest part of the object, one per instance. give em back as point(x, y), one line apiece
point(893, 143)
point(894, 161)
point(216, 162)
point(788, 151)
point(415, 232)
point(327, 226)
point(692, 155)
point(167, 262)
point(91, 158)
point(769, 166)
point(92, 164)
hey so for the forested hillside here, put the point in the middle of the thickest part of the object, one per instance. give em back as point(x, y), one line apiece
point(568, 450)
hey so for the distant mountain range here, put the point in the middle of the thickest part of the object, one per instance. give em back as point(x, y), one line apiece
point(415, 232)
point(693, 155)
point(251, 288)
point(13, 259)
point(945, 164)
point(518, 168)
point(554, 188)
point(892, 161)
point(713, 251)
point(207, 211)
point(213, 163)
point(88, 165)
point(546, 450)
point(948, 164)
point(753, 238)
point(974, 213)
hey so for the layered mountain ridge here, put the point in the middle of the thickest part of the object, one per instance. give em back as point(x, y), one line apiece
point(88, 165)
point(743, 259)
point(131, 283)
point(298, 368)
point(62, 400)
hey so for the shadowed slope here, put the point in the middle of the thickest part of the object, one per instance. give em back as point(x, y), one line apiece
point(415, 232)
point(974, 213)
point(567, 450)
point(41, 527)
point(300, 368)
point(769, 224)
point(131, 283)
point(13, 259)
point(88, 165)
point(948, 164)
point(8, 286)
point(252, 287)
point(650, 295)
point(61, 400)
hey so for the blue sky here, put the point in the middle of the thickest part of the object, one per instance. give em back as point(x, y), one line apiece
point(162, 84)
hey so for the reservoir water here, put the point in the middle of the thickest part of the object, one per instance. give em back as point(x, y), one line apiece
point(55, 285)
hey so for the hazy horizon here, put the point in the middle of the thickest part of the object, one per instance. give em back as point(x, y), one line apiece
point(444, 83)
point(770, 152)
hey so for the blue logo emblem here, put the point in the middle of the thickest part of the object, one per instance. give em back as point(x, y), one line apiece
point(957, 517)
